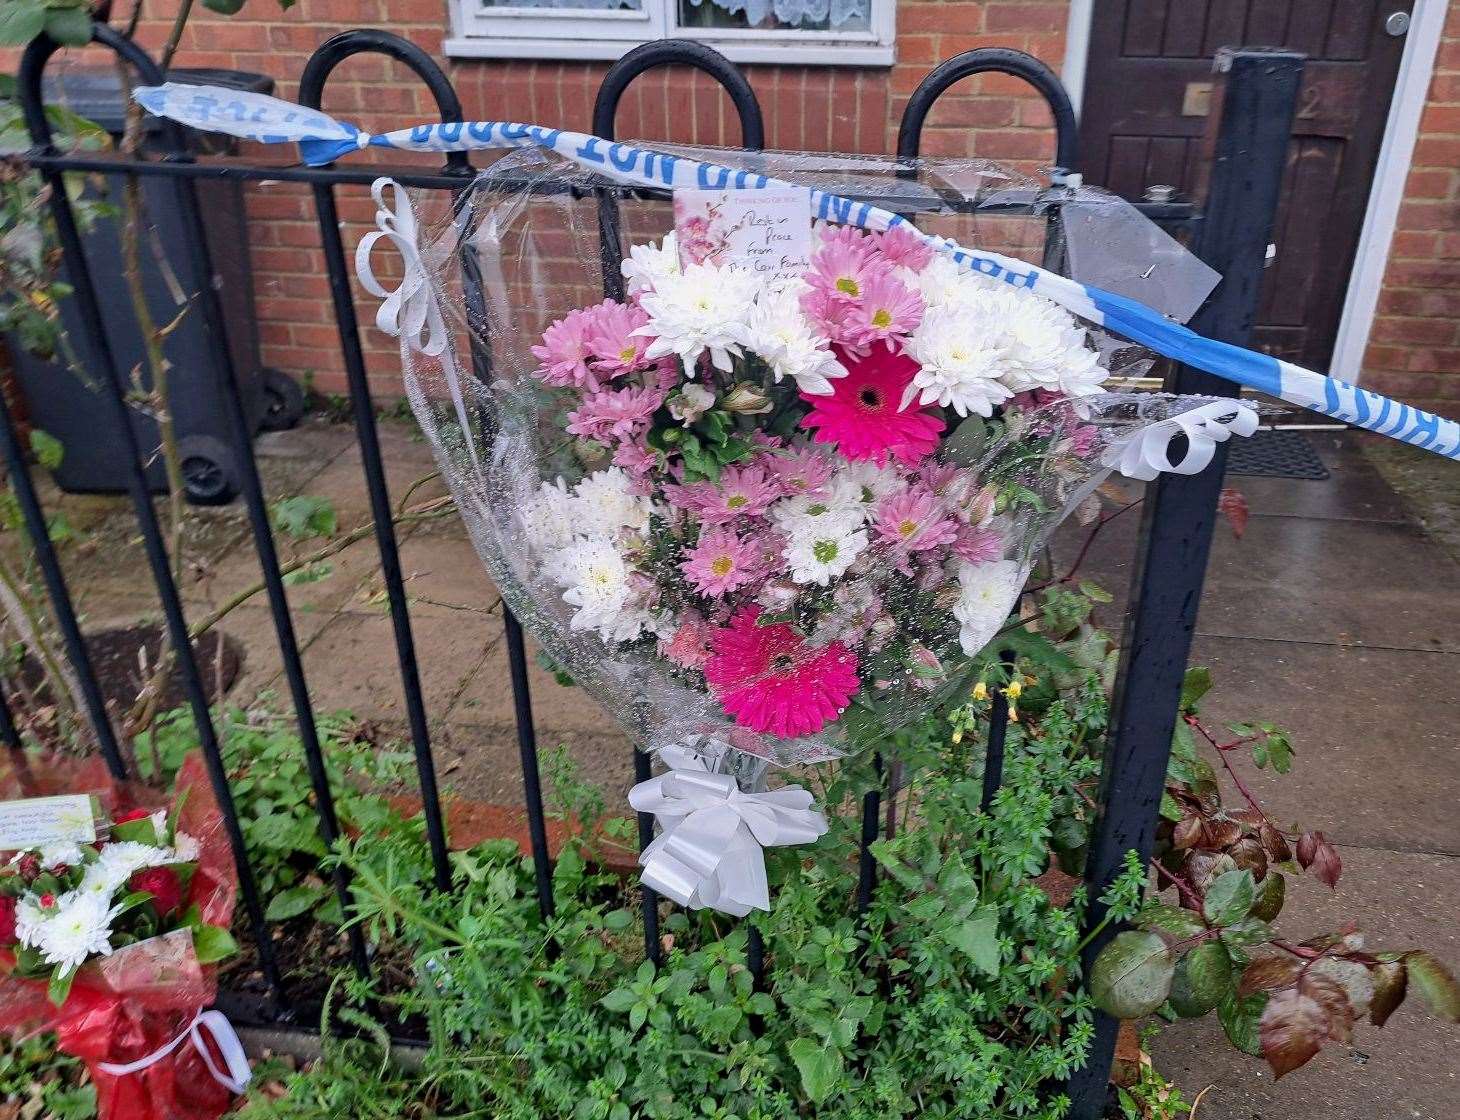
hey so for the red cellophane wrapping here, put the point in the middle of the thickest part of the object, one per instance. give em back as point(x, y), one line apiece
point(127, 1006)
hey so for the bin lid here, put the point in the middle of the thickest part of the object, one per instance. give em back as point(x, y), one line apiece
point(95, 92)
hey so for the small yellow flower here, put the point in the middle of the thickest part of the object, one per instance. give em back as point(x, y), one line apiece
point(980, 691)
point(957, 735)
point(1014, 690)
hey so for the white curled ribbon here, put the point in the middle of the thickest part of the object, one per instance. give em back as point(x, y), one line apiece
point(711, 850)
point(234, 1077)
point(1148, 452)
point(411, 312)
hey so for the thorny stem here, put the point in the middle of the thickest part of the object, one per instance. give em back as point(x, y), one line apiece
point(1187, 892)
point(1105, 519)
point(1222, 749)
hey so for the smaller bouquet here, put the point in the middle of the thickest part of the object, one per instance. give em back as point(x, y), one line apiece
point(111, 943)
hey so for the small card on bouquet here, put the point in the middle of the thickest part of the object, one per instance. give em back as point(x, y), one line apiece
point(767, 231)
point(35, 822)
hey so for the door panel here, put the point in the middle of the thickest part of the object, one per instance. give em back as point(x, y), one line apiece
point(1145, 105)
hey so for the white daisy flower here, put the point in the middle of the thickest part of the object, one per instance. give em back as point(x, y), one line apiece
point(868, 481)
point(595, 579)
point(705, 309)
point(77, 929)
point(960, 360)
point(820, 549)
point(986, 595)
point(649, 266)
point(781, 334)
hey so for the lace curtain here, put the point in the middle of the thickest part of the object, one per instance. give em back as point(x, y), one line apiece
point(788, 13)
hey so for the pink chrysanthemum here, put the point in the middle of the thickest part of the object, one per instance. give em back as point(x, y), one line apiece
point(741, 492)
point(799, 472)
point(915, 521)
point(887, 309)
point(978, 545)
point(615, 415)
point(863, 418)
point(615, 348)
point(858, 240)
point(564, 352)
point(840, 269)
point(722, 562)
point(899, 245)
point(689, 646)
point(635, 458)
point(770, 679)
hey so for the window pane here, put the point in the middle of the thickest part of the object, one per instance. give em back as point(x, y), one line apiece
point(569, 5)
point(777, 15)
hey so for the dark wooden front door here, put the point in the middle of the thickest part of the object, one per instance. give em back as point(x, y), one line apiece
point(1144, 109)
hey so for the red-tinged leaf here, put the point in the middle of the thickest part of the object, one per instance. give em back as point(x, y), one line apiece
point(1435, 983)
point(1268, 974)
point(1247, 853)
point(1391, 983)
point(1330, 991)
point(1203, 868)
point(1298, 1021)
point(1307, 848)
point(1275, 843)
point(1223, 833)
point(1232, 504)
point(1352, 976)
point(1187, 833)
point(1326, 864)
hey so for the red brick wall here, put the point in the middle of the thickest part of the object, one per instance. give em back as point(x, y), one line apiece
point(1414, 348)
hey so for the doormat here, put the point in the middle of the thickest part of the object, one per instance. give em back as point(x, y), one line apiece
point(1275, 454)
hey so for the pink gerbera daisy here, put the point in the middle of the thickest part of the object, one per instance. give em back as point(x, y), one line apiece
point(615, 415)
point(915, 521)
point(722, 562)
point(771, 679)
point(741, 492)
point(615, 348)
point(689, 646)
point(899, 245)
point(887, 309)
point(863, 417)
point(564, 352)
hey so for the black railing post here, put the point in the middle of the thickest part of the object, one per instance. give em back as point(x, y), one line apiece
point(1257, 99)
point(311, 92)
point(649, 56)
point(114, 393)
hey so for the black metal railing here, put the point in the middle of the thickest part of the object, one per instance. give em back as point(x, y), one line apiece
point(1254, 111)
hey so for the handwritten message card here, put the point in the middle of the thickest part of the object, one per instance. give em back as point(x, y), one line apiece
point(766, 231)
point(38, 821)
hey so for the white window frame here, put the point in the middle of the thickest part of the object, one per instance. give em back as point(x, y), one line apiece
point(566, 34)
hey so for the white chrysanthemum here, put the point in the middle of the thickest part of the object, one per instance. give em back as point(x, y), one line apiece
point(1036, 336)
point(648, 267)
point(819, 549)
point(867, 481)
point(185, 847)
point(604, 503)
point(705, 308)
point(942, 281)
point(76, 929)
point(64, 851)
point(1081, 374)
point(548, 517)
point(832, 509)
point(960, 362)
point(595, 579)
point(781, 334)
point(986, 595)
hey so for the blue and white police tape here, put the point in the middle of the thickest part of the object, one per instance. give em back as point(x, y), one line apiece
point(322, 139)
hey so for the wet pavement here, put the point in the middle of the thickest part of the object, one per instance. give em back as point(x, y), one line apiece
point(1336, 615)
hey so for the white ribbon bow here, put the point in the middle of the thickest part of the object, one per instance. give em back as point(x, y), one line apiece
point(234, 1078)
point(710, 852)
point(411, 310)
point(1148, 453)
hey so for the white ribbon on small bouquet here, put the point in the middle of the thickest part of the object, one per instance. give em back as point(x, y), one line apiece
point(710, 852)
point(234, 1077)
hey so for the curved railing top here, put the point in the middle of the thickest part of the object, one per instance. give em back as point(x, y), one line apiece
point(679, 52)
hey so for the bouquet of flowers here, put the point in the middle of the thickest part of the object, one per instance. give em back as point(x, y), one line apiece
point(111, 943)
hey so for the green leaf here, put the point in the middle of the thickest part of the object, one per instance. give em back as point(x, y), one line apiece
point(21, 21)
point(1132, 975)
point(1267, 904)
point(60, 987)
point(1202, 978)
point(310, 573)
point(1095, 592)
point(225, 7)
point(820, 1067)
point(978, 937)
point(1435, 983)
point(1196, 684)
point(304, 516)
point(71, 27)
point(620, 999)
point(1175, 920)
point(46, 448)
point(213, 943)
point(1229, 898)
point(1240, 1017)
point(142, 830)
point(294, 901)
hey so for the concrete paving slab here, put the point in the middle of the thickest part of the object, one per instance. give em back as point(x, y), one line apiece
point(444, 576)
point(487, 697)
point(481, 761)
point(1407, 1071)
point(1353, 491)
point(252, 626)
point(1374, 731)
